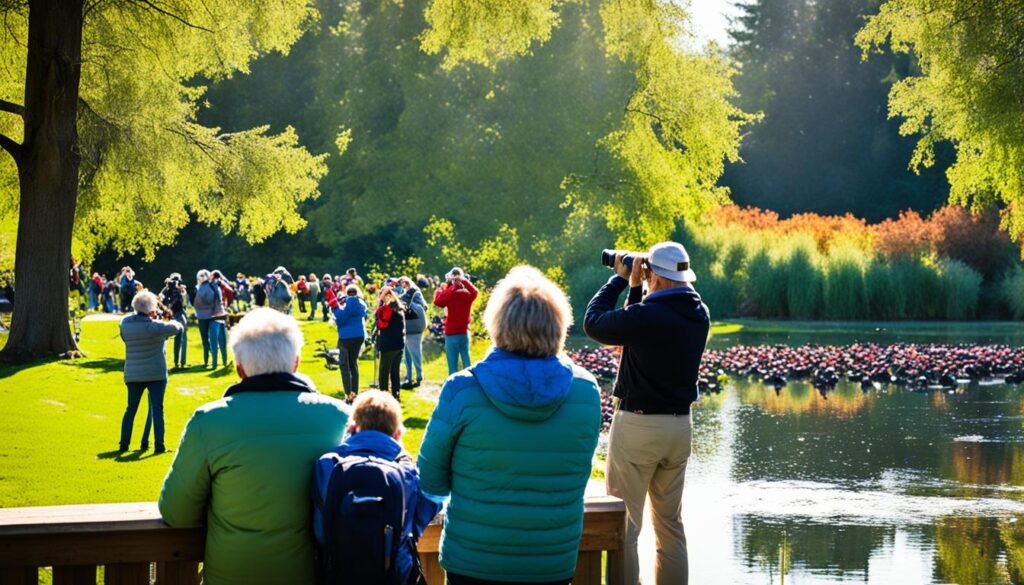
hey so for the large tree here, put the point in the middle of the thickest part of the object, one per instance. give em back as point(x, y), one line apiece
point(99, 101)
point(825, 144)
point(968, 92)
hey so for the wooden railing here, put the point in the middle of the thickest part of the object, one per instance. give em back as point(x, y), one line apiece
point(132, 545)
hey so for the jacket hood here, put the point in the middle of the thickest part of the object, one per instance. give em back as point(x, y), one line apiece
point(373, 443)
point(683, 301)
point(524, 388)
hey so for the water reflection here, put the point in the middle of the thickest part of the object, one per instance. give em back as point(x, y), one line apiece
point(884, 486)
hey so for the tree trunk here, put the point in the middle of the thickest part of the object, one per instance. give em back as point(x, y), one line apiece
point(48, 174)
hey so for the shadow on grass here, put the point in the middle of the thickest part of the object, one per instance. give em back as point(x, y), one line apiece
point(415, 422)
point(105, 364)
point(222, 371)
point(130, 456)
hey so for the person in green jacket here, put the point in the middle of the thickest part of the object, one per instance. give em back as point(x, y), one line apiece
point(511, 441)
point(242, 468)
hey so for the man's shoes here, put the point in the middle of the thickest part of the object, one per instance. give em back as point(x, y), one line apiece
point(144, 447)
point(159, 449)
point(406, 386)
point(418, 382)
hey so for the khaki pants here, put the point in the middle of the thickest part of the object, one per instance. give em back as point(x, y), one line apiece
point(647, 453)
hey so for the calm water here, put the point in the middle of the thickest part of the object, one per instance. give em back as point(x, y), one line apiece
point(889, 486)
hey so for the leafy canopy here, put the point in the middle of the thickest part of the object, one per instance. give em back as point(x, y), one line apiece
point(968, 92)
point(147, 165)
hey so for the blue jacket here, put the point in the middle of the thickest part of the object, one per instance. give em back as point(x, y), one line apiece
point(420, 510)
point(512, 440)
point(350, 318)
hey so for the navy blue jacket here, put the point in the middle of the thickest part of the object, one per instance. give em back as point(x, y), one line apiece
point(662, 339)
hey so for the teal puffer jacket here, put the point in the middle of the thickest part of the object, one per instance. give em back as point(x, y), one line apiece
point(512, 440)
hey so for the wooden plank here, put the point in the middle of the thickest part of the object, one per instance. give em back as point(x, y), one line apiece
point(126, 574)
point(616, 568)
point(432, 569)
point(84, 518)
point(102, 548)
point(588, 568)
point(19, 575)
point(177, 573)
point(603, 531)
point(430, 540)
point(75, 575)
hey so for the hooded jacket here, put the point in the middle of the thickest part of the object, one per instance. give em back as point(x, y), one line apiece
point(350, 318)
point(417, 305)
point(243, 470)
point(512, 440)
point(209, 300)
point(662, 339)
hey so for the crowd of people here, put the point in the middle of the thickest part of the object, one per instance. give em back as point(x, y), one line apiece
point(274, 461)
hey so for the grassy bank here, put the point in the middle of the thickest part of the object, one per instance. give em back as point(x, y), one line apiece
point(60, 421)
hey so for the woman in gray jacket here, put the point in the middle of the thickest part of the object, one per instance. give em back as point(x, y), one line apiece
point(145, 367)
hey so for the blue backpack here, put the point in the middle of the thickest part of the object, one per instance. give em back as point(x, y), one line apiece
point(363, 513)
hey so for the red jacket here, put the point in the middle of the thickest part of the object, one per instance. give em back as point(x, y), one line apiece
point(458, 299)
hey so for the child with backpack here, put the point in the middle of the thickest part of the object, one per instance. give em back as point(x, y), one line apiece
point(368, 509)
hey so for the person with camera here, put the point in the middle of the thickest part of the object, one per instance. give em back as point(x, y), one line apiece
point(456, 295)
point(414, 327)
point(219, 324)
point(145, 366)
point(662, 337)
point(279, 292)
point(350, 319)
point(207, 301)
point(173, 297)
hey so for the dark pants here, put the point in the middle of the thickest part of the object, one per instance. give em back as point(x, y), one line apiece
point(302, 301)
point(390, 367)
point(204, 334)
point(454, 579)
point(348, 363)
point(156, 413)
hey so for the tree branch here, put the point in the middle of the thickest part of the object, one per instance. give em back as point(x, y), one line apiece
point(174, 16)
point(6, 106)
point(12, 147)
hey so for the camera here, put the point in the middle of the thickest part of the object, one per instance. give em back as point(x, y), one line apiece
point(608, 258)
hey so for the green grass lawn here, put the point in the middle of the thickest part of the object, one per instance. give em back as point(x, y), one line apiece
point(60, 420)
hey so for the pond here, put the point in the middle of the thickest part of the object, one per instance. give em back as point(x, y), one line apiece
point(888, 485)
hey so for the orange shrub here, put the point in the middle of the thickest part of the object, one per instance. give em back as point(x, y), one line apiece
point(910, 236)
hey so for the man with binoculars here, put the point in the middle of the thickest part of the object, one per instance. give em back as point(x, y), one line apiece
point(662, 337)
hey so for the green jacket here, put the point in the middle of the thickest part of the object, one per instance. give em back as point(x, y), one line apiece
point(244, 468)
point(512, 441)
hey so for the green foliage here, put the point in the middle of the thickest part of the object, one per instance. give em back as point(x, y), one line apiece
point(967, 92)
point(147, 166)
point(489, 261)
point(488, 31)
point(886, 291)
point(845, 296)
point(803, 279)
point(960, 286)
point(663, 163)
point(922, 285)
point(766, 285)
point(1011, 290)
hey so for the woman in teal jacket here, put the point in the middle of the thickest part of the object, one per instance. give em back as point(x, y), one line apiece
point(511, 441)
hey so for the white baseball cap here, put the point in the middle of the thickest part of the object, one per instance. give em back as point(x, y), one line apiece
point(670, 260)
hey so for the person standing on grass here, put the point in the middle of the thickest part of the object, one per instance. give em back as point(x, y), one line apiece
point(219, 323)
point(662, 337)
point(350, 318)
point(313, 284)
point(512, 440)
point(456, 296)
point(415, 325)
point(145, 368)
point(205, 303)
point(390, 316)
point(173, 297)
point(242, 470)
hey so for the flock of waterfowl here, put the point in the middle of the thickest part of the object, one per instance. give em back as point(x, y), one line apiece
point(918, 366)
